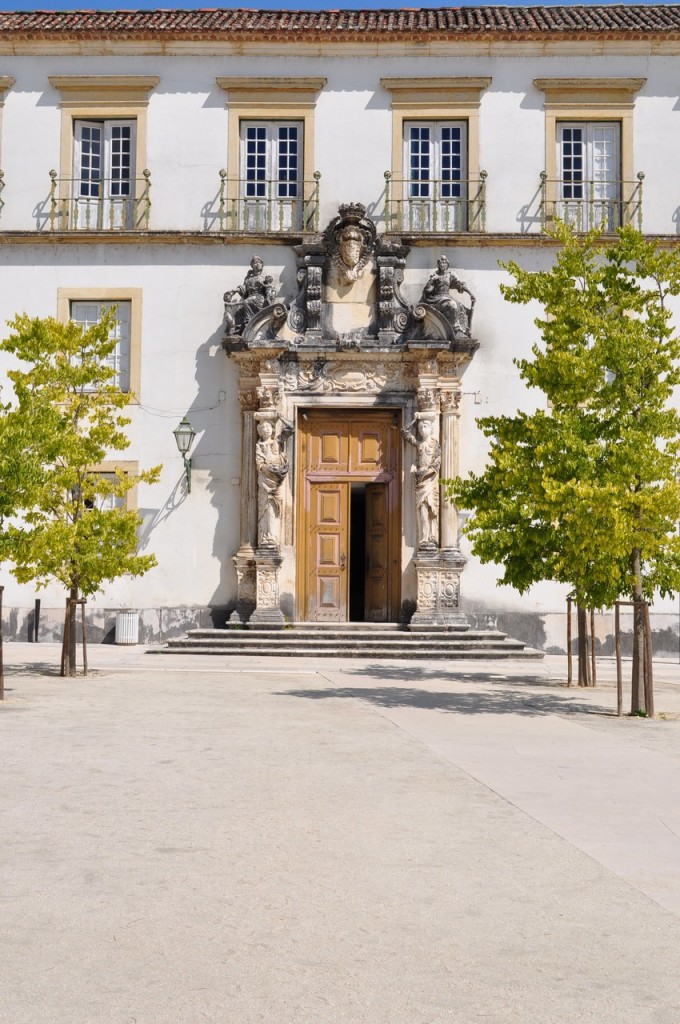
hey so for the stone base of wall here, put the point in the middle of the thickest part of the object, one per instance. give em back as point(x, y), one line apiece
point(544, 631)
point(156, 625)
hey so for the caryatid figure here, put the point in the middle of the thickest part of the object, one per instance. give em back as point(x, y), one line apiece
point(426, 472)
point(272, 469)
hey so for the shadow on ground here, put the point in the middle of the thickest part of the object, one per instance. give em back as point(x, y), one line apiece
point(36, 668)
point(445, 672)
point(517, 702)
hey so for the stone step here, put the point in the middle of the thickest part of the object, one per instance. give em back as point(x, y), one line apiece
point(248, 643)
point(361, 651)
point(326, 640)
point(352, 640)
point(310, 633)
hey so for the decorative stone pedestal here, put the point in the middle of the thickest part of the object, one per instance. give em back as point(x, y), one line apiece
point(244, 563)
point(267, 611)
point(438, 576)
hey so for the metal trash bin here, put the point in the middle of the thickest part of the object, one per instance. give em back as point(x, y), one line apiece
point(127, 628)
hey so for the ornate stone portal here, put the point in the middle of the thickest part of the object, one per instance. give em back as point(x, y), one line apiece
point(350, 340)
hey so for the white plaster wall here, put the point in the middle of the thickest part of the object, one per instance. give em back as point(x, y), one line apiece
point(187, 129)
point(184, 370)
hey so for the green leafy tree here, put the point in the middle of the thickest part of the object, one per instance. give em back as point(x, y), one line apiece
point(67, 416)
point(587, 493)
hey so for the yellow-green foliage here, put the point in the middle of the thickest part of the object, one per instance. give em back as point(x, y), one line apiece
point(571, 492)
point(65, 418)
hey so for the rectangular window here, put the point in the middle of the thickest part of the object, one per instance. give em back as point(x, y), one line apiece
point(103, 193)
point(88, 313)
point(589, 174)
point(108, 502)
point(271, 175)
point(435, 171)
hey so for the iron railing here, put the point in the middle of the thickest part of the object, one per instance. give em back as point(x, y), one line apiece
point(267, 205)
point(104, 209)
point(436, 205)
point(585, 205)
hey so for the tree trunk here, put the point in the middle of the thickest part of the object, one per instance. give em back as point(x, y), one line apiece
point(637, 693)
point(583, 659)
point(68, 660)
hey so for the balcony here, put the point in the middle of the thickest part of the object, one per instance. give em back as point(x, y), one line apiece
point(264, 206)
point(435, 206)
point(105, 204)
point(584, 205)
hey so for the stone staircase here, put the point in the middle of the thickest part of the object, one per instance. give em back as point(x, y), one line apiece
point(352, 640)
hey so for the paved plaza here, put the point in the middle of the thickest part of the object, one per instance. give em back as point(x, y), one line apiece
point(238, 841)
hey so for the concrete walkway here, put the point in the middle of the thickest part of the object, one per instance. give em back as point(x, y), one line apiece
point(229, 840)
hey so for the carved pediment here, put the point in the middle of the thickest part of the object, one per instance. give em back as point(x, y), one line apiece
point(350, 299)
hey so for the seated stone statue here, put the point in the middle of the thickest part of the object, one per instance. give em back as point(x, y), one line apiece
point(241, 304)
point(437, 293)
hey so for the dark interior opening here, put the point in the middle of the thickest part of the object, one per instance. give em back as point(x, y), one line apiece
point(357, 552)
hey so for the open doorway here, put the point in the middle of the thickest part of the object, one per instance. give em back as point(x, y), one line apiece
point(357, 553)
point(348, 526)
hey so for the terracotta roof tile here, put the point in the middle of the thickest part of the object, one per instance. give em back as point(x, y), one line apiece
point(449, 22)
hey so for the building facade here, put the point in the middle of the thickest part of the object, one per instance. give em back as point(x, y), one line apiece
point(301, 220)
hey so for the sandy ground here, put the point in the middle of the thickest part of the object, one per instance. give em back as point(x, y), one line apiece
point(190, 839)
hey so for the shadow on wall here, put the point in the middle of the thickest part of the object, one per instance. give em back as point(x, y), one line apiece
point(527, 627)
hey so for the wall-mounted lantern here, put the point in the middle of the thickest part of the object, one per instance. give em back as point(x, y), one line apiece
point(184, 436)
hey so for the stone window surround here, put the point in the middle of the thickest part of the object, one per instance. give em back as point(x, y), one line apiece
point(65, 296)
point(128, 468)
point(588, 99)
point(102, 97)
point(434, 99)
point(271, 99)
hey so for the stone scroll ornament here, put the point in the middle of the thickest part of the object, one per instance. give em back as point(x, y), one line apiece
point(437, 293)
point(272, 470)
point(426, 472)
point(241, 304)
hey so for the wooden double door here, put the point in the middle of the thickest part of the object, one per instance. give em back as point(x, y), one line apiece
point(349, 524)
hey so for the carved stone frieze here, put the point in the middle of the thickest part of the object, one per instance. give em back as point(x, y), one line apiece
point(450, 401)
point(427, 400)
point(248, 400)
point(359, 377)
point(269, 396)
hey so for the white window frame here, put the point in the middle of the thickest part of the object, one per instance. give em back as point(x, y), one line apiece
point(103, 197)
point(121, 358)
point(438, 200)
point(589, 187)
point(271, 199)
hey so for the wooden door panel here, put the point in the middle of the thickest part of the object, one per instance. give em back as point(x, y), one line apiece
point(369, 444)
point(377, 553)
point(327, 542)
point(329, 447)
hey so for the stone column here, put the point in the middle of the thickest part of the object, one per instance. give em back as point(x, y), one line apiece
point(438, 570)
point(450, 406)
point(244, 559)
point(268, 558)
